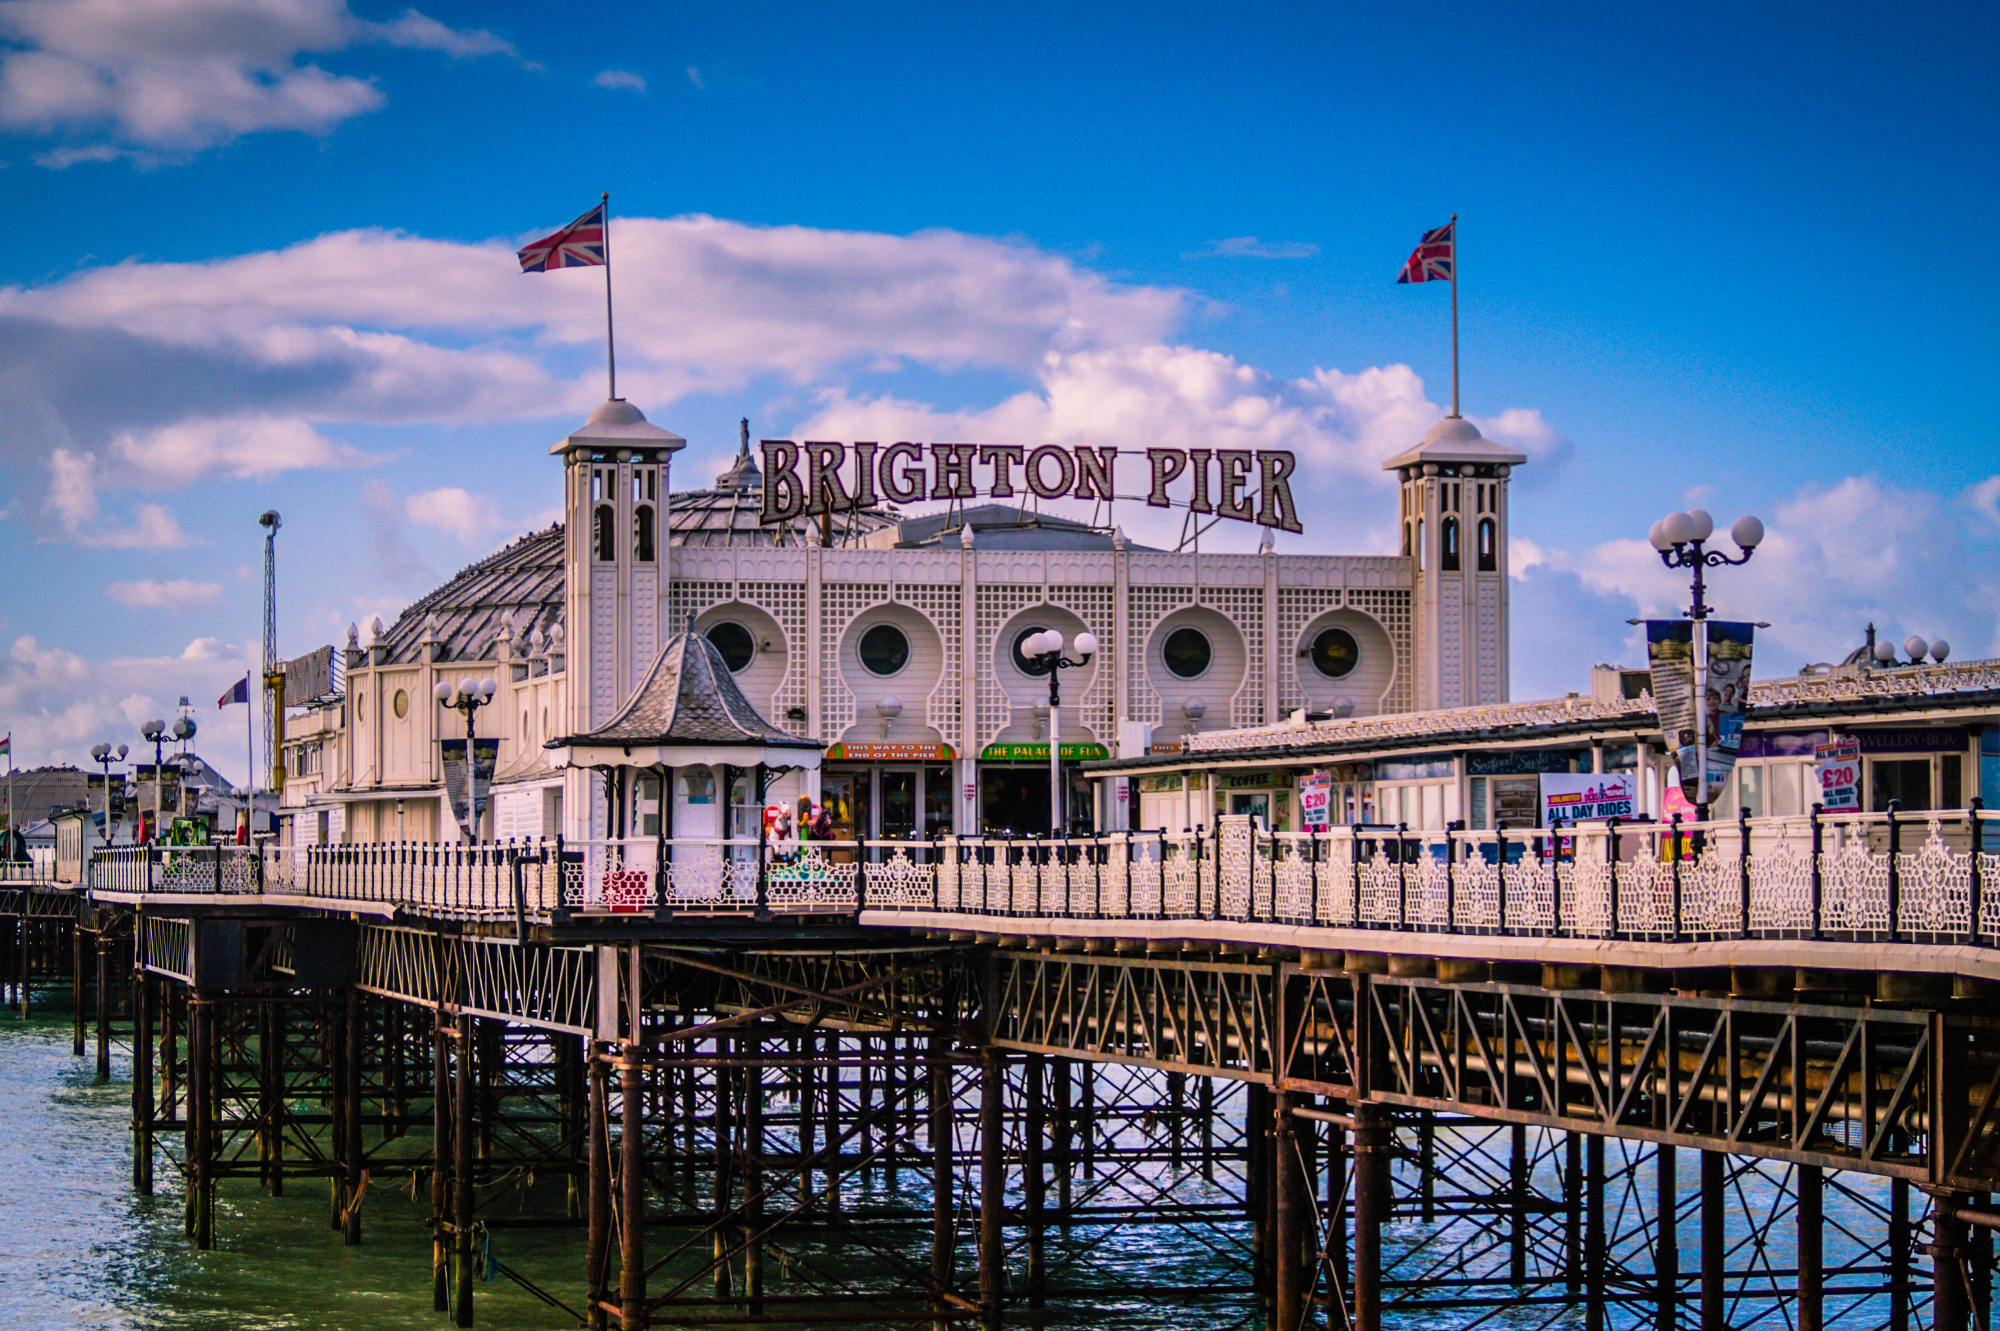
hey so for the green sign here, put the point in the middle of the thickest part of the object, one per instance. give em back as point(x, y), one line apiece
point(1030, 753)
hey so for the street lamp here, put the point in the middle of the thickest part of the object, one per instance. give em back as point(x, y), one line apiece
point(105, 756)
point(1044, 651)
point(471, 695)
point(1680, 538)
point(189, 767)
point(156, 732)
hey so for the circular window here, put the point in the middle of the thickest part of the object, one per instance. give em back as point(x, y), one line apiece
point(1187, 653)
point(401, 703)
point(884, 650)
point(1335, 653)
point(735, 644)
point(1024, 663)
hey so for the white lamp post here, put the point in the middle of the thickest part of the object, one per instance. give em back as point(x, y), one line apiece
point(471, 695)
point(1045, 649)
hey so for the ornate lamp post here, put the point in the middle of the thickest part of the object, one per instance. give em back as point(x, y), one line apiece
point(105, 756)
point(1680, 538)
point(156, 733)
point(1044, 651)
point(470, 695)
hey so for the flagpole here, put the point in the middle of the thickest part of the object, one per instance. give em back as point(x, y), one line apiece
point(250, 761)
point(610, 347)
point(1454, 312)
point(10, 795)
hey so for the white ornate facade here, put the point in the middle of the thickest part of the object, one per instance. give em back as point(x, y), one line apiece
point(894, 643)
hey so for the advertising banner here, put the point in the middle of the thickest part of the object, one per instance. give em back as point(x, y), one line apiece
point(1670, 651)
point(466, 806)
point(1837, 766)
point(1315, 800)
point(1568, 798)
point(1728, 697)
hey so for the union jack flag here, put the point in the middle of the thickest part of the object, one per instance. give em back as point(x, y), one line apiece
point(578, 245)
point(1432, 259)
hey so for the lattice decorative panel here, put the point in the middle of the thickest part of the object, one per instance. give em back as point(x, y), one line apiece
point(786, 603)
point(1391, 609)
point(1144, 608)
point(1488, 661)
point(996, 604)
point(941, 605)
point(1244, 607)
point(1094, 605)
point(839, 603)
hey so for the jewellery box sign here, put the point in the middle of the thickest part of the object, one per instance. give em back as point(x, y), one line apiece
point(820, 477)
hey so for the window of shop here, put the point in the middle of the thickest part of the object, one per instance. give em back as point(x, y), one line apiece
point(1335, 653)
point(735, 643)
point(1186, 653)
point(1905, 780)
point(884, 650)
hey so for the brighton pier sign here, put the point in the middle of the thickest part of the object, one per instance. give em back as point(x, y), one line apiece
point(817, 477)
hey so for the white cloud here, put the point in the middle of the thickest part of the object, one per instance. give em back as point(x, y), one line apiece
point(59, 703)
point(619, 78)
point(1249, 247)
point(73, 504)
point(1836, 557)
point(176, 595)
point(258, 446)
point(468, 518)
point(1983, 499)
point(694, 77)
point(188, 74)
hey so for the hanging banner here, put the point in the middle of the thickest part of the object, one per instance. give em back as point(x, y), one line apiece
point(469, 807)
point(1315, 800)
point(1837, 767)
point(1568, 798)
point(1728, 697)
point(1671, 651)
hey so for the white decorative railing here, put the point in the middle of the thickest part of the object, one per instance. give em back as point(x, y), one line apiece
point(1921, 877)
point(1841, 686)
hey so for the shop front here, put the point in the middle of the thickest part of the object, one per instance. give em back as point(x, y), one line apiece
point(1014, 789)
point(888, 791)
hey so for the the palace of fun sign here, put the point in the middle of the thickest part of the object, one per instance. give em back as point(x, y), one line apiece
point(815, 477)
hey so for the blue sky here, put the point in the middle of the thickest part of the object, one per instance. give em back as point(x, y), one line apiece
point(259, 255)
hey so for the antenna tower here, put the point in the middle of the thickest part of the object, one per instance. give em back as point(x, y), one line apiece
point(274, 671)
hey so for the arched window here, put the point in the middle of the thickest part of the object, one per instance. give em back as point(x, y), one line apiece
point(642, 533)
point(604, 535)
point(1406, 541)
point(1489, 556)
point(1448, 547)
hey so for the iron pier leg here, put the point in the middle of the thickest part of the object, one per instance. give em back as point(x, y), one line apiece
point(1034, 1183)
point(1427, 1164)
point(941, 1176)
point(833, 1165)
point(103, 1007)
point(142, 1083)
point(1667, 1248)
point(1594, 1255)
point(1714, 1241)
point(1573, 1203)
point(1258, 1119)
point(1062, 1147)
point(1811, 1252)
point(1899, 1255)
point(724, 1187)
point(78, 1012)
point(442, 1117)
point(753, 1182)
point(1951, 1306)
point(201, 1119)
point(1337, 1278)
point(596, 1257)
point(463, 1143)
point(1517, 1203)
point(992, 1186)
point(1205, 1101)
point(632, 1187)
point(1176, 1117)
point(350, 1229)
point(1371, 1209)
point(1293, 1206)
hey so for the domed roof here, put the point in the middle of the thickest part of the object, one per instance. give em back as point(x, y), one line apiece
point(1456, 439)
point(616, 423)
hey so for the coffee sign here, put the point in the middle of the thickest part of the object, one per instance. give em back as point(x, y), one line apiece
point(820, 477)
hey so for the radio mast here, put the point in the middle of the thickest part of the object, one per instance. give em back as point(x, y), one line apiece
point(274, 673)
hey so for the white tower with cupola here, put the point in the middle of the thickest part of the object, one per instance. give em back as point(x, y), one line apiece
point(1453, 518)
point(615, 486)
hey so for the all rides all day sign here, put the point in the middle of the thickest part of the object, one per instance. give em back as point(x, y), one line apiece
point(814, 477)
